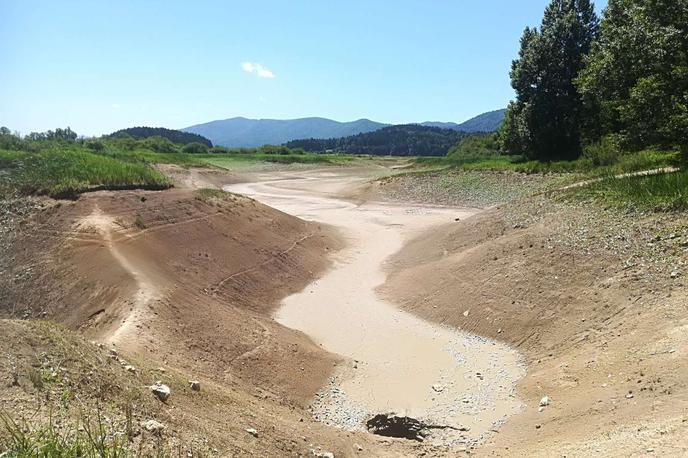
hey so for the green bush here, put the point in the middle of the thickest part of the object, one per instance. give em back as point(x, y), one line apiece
point(160, 145)
point(95, 145)
point(603, 153)
point(195, 148)
point(474, 148)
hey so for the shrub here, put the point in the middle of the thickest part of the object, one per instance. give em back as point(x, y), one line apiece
point(95, 145)
point(195, 148)
point(604, 152)
point(160, 145)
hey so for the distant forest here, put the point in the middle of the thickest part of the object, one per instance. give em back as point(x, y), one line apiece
point(175, 136)
point(400, 140)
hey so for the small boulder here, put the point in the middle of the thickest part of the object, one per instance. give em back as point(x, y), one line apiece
point(161, 391)
point(195, 385)
point(544, 402)
point(252, 431)
point(130, 368)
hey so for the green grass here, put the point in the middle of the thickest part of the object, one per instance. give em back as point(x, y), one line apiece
point(87, 439)
point(151, 157)
point(662, 192)
point(66, 172)
point(625, 163)
point(239, 160)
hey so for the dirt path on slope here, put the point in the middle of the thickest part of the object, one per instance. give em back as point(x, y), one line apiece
point(397, 362)
point(146, 291)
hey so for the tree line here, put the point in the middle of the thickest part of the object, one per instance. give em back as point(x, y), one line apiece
point(175, 136)
point(398, 140)
point(620, 81)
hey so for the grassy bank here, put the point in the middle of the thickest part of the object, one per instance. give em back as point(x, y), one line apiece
point(624, 163)
point(661, 192)
point(240, 159)
point(70, 171)
point(64, 168)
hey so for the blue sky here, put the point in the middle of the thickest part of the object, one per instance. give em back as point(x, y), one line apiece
point(98, 66)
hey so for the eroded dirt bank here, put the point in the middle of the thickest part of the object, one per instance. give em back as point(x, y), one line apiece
point(595, 300)
point(396, 362)
point(181, 284)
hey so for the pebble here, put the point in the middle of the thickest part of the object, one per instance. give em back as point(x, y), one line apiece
point(252, 431)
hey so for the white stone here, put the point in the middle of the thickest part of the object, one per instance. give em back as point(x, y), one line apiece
point(161, 391)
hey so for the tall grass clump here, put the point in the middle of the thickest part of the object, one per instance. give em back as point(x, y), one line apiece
point(66, 172)
point(88, 439)
point(660, 192)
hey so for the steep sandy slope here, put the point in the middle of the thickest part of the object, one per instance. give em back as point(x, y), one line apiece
point(594, 300)
point(186, 281)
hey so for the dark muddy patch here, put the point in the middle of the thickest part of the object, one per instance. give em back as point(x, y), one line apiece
point(391, 425)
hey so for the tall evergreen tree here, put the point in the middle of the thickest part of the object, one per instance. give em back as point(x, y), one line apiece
point(637, 73)
point(544, 121)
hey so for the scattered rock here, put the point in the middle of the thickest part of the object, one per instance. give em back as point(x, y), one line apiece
point(252, 431)
point(161, 391)
point(358, 448)
point(318, 454)
point(466, 313)
point(195, 385)
point(629, 396)
point(130, 368)
point(153, 426)
point(438, 388)
point(674, 274)
point(544, 402)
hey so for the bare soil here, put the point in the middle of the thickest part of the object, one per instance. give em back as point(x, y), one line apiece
point(594, 299)
point(397, 363)
point(186, 282)
point(185, 285)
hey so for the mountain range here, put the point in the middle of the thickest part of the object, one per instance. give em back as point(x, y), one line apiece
point(242, 132)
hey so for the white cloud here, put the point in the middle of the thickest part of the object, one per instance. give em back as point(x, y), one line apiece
point(116, 105)
point(257, 69)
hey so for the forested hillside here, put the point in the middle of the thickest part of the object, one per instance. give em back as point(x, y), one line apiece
point(249, 133)
point(175, 136)
point(400, 140)
point(485, 122)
